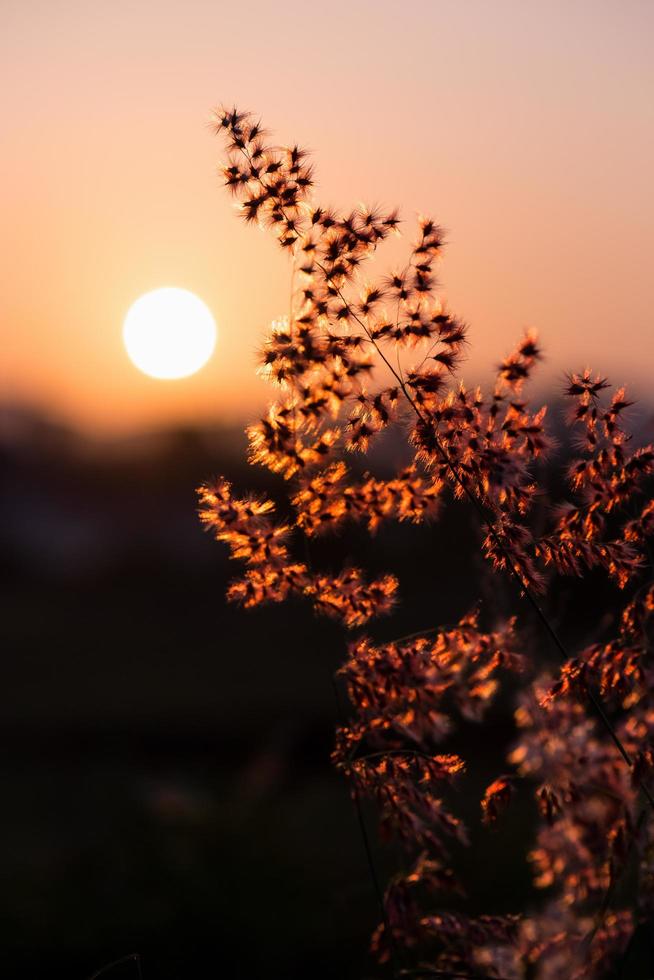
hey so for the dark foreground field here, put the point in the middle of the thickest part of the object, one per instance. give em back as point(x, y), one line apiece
point(165, 759)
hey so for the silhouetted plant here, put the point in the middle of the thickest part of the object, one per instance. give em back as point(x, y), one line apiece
point(340, 362)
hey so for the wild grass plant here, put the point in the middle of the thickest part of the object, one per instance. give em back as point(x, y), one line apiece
point(352, 358)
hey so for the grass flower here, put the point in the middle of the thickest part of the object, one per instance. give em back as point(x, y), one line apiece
point(357, 355)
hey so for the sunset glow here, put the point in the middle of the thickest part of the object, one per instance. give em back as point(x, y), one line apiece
point(110, 185)
point(169, 333)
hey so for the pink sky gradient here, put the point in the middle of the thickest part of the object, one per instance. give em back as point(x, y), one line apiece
point(526, 129)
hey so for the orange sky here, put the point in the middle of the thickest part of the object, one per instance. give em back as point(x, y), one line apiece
point(525, 128)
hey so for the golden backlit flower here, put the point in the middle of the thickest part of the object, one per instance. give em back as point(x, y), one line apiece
point(356, 356)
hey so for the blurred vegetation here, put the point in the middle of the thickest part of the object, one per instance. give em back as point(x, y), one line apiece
point(165, 758)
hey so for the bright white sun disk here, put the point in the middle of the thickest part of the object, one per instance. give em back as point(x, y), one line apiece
point(169, 333)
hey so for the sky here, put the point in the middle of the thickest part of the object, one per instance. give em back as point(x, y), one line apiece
point(526, 129)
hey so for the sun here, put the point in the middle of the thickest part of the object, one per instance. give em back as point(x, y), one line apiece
point(169, 333)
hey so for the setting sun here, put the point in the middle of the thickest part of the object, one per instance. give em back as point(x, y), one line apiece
point(169, 333)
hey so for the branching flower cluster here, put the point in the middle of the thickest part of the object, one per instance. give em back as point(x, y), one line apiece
point(353, 357)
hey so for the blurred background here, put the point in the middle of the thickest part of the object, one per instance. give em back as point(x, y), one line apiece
point(165, 758)
point(167, 784)
point(167, 787)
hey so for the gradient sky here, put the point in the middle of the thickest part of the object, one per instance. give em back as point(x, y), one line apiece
point(527, 129)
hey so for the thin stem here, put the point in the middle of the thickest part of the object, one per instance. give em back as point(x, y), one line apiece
point(136, 957)
point(397, 315)
point(356, 799)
